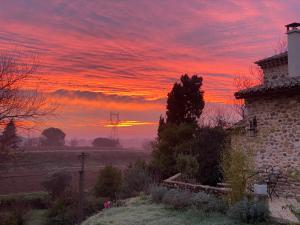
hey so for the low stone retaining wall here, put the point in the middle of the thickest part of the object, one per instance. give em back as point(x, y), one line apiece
point(173, 182)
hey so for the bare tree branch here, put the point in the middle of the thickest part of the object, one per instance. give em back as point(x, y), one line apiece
point(255, 77)
point(16, 101)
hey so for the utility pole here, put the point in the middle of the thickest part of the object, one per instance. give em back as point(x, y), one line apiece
point(82, 157)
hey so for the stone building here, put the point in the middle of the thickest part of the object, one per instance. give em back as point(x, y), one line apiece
point(271, 127)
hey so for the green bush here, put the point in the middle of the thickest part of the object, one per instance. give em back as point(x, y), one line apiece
point(208, 203)
point(207, 148)
point(109, 182)
point(93, 205)
point(136, 179)
point(15, 216)
point(64, 211)
point(237, 166)
point(187, 165)
point(34, 200)
point(200, 199)
point(57, 184)
point(157, 193)
point(249, 212)
point(177, 199)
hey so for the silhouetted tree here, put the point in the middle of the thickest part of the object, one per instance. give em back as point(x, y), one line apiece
point(105, 142)
point(185, 101)
point(53, 137)
point(184, 107)
point(9, 139)
point(16, 68)
point(161, 126)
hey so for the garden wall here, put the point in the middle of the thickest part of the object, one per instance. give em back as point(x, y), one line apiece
point(174, 182)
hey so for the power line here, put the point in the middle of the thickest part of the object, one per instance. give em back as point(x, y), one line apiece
point(114, 123)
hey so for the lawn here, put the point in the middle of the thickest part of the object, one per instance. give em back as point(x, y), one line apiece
point(139, 211)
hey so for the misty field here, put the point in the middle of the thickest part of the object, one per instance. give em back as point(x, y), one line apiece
point(26, 173)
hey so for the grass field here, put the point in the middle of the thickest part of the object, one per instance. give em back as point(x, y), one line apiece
point(27, 172)
point(139, 211)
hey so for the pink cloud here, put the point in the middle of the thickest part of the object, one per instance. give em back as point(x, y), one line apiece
point(140, 48)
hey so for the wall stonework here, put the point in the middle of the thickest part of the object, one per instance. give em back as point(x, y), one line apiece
point(274, 73)
point(277, 140)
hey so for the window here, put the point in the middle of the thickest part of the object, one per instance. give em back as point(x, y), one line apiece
point(253, 127)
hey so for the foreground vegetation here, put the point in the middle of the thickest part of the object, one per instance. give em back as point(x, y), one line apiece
point(143, 211)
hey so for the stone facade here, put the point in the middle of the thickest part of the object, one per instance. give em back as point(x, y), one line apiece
point(274, 73)
point(275, 139)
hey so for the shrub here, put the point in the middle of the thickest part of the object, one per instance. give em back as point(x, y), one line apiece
point(187, 165)
point(200, 199)
point(157, 193)
point(172, 139)
point(16, 216)
point(93, 205)
point(135, 179)
point(177, 199)
point(57, 184)
point(208, 148)
point(63, 211)
point(35, 200)
point(109, 182)
point(236, 167)
point(208, 203)
point(249, 212)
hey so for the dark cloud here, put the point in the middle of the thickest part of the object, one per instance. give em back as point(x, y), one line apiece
point(89, 95)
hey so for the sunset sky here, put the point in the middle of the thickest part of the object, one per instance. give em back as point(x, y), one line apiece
point(124, 55)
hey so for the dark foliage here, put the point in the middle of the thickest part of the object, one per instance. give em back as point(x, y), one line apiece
point(201, 148)
point(185, 101)
point(9, 138)
point(35, 200)
point(109, 182)
point(207, 148)
point(157, 193)
point(105, 142)
point(177, 199)
point(53, 137)
point(161, 126)
point(136, 179)
point(172, 140)
point(249, 212)
point(64, 210)
point(15, 216)
point(58, 184)
point(208, 203)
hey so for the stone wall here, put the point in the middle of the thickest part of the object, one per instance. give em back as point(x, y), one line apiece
point(277, 140)
point(176, 183)
point(274, 73)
